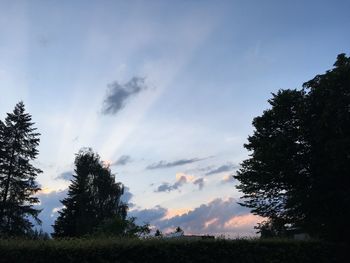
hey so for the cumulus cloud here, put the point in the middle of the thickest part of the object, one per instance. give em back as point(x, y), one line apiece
point(127, 196)
point(165, 164)
point(66, 176)
point(199, 182)
point(221, 169)
point(227, 179)
point(119, 94)
point(123, 160)
point(216, 217)
point(148, 215)
point(50, 205)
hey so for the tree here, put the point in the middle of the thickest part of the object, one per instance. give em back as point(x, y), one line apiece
point(18, 147)
point(328, 133)
point(119, 227)
point(158, 233)
point(179, 231)
point(300, 154)
point(93, 197)
point(269, 178)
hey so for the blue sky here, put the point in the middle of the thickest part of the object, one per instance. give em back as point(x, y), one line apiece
point(202, 71)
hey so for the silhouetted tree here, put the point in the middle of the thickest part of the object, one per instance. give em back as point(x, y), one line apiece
point(270, 178)
point(18, 147)
point(121, 227)
point(93, 197)
point(179, 230)
point(327, 207)
point(158, 233)
point(298, 172)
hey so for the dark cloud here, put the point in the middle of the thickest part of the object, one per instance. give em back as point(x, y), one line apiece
point(67, 176)
point(216, 217)
point(123, 160)
point(223, 168)
point(166, 187)
point(118, 95)
point(50, 204)
point(199, 182)
point(165, 164)
point(148, 215)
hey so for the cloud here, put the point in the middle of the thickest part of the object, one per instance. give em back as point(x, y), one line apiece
point(216, 217)
point(227, 179)
point(223, 168)
point(148, 215)
point(165, 164)
point(50, 205)
point(118, 95)
point(127, 196)
point(199, 182)
point(123, 160)
point(67, 176)
point(181, 180)
point(166, 187)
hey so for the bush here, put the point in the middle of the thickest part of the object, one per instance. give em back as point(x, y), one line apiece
point(135, 250)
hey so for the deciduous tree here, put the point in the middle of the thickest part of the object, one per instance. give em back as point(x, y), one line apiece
point(298, 173)
point(93, 197)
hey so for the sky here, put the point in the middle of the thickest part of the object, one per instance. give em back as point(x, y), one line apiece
point(164, 91)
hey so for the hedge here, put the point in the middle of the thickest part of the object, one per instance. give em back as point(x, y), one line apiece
point(112, 250)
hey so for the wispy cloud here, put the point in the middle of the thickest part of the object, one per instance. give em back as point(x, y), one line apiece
point(199, 182)
point(181, 180)
point(166, 187)
point(119, 94)
point(123, 160)
point(165, 164)
point(221, 169)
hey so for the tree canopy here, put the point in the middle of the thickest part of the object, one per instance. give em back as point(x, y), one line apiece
point(298, 173)
point(93, 197)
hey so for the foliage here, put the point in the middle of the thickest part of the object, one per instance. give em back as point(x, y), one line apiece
point(135, 250)
point(298, 172)
point(158, 233)
point(179, 230)
point(93, 197)
point(120, 227)
point(18, 147)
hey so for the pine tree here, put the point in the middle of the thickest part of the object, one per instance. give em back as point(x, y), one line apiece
point(18, 147)
point(93, 197)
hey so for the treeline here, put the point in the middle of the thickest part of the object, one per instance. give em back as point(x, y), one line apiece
point(297, 176)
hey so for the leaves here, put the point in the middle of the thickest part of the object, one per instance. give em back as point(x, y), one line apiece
point(93, 197)
point(298, 172)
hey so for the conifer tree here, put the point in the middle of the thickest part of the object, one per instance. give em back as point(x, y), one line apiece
point(18, 147)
